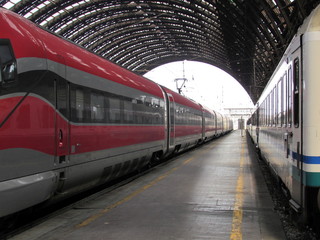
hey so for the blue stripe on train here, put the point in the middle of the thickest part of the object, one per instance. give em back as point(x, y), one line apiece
point(307, 159)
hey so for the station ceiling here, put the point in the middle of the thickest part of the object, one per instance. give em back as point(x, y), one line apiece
point(245, 38)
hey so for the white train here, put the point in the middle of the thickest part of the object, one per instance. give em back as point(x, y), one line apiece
point(286, 123)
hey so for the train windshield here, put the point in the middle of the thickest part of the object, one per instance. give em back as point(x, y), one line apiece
point(7, 63)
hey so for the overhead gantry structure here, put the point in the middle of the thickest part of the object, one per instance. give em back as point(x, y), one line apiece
point(245, 38)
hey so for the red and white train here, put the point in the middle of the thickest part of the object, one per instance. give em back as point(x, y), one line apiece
point(71, 120)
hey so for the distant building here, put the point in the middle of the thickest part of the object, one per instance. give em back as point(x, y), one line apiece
point(238, 113)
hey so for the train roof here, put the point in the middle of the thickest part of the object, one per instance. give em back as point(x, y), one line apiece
point(209, 110)
point(310, 24)
point(74, 55)
point(183, 100)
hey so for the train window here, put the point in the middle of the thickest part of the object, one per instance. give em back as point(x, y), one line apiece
point(8, 64)
point(254, 119)
point(276, 105)
point(296, 96)
point(284, 100)
point(128, 110)
point(261, 115)
point(289, 102)
point(262, 109)
point(79, 105)
point(265, 112)
point(279, 103)
point(148, 110)
point(138, 108)
point(270, 109)
point(115, 110)
point(62, 96)
point(97, 107)
point(273, 107)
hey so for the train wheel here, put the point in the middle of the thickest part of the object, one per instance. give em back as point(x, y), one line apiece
point(156, 158)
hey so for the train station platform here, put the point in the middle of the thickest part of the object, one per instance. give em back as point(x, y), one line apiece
point(213, 192)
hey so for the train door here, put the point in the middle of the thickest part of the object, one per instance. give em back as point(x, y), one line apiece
point(203, 124)
point(286, 121)
point(171, 121)
point(215, 123)
point(62, 114)
point(297, 128)
point(257, 123)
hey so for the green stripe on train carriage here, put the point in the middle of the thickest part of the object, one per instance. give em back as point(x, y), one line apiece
point(310, 179)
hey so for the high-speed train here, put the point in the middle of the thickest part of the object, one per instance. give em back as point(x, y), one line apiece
point(286, 123)
point(71, 120)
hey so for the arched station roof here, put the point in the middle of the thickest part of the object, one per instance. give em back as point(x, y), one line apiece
point(245, 38)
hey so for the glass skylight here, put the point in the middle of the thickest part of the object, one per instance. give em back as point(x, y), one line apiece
point(11, 3)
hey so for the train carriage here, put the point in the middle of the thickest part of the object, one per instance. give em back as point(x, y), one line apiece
point(210, 123)
point(71, 120)
point(286, 124)
point(219, 124)
point(185, 119)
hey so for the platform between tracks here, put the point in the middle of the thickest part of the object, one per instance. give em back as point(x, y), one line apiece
point(213, 192)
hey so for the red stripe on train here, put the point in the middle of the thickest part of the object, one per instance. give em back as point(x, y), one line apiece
point(92, 138)
point(32, 126)
point(185, 130)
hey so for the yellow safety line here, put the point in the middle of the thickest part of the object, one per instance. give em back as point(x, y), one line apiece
point(135, 193)
point(236, 232)
point(126, 199)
